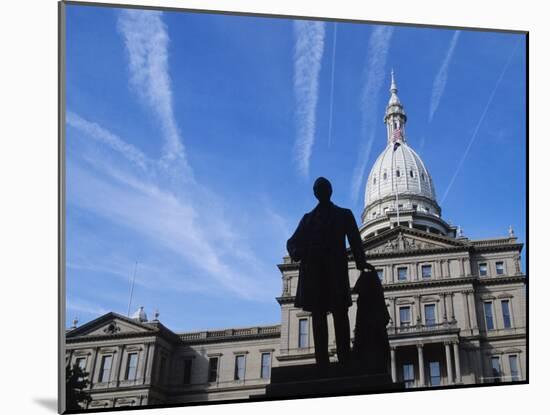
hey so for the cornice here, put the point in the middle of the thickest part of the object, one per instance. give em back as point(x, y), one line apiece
point(501, 279)
point(104, 337)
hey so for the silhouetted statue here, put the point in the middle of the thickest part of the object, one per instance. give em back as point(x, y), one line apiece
point(371, 346)
point(319, 243)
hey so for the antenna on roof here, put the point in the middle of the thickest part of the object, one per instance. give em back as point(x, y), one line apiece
point(132, 289)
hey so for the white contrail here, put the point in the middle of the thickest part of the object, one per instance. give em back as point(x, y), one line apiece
point(99, 133)
point(474, 135)
point(308, 53)
point(440, 80)
point(146, 40)
point(332, 83)
point(379, 45)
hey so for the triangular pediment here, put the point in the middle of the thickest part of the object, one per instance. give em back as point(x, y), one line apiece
point(111, 324)
point(401, 239)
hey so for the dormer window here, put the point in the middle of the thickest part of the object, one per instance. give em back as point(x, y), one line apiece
point(398, 173)
point(411, 173)
point(423, 177)
point(385, 176)
point(374, 180)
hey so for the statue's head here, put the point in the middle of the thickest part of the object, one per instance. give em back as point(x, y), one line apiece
point(322, 189)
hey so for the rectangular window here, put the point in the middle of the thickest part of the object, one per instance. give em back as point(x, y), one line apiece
point(429, 314)
point(265, 372)
point(435, 374)
point(488, 308)
point(213, 369)
point(402, 274)
point(239, 367)
point(105, 369)
point(380, 273)
point(506, 314)
point(514, 370)
point(500, 268)
point(303, 333)
point(131, 366)
point(405, 316)
point(482, 269)
point(187, 366)
point(426, 271)
point(408, 375)
point(495, 367)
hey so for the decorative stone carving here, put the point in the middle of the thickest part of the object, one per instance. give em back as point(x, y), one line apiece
point(112, 328)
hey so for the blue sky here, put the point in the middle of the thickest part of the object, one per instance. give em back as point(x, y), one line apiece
point(193, 141)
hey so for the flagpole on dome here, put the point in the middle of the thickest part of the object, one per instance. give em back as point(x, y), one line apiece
point(395, 135)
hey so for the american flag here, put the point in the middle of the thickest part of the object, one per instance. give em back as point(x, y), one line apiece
point(396, 134)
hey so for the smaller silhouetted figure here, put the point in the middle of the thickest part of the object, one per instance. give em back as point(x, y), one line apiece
point(371, 346)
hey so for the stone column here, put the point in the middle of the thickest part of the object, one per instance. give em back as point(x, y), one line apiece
point(148, 378)
point(449, 364)
point(468, 267)
point(456, 351)
point(472, 306)
point(419, 348)
point(92, 371)
point(414, 273)
point(393, 365)
point(120, 352)
point(145, 363)
point(392, 309)
point(451, 295)
point(418, 309)
point(439, 269)
point(444, 304)
point(462, 268)
point(466, 309)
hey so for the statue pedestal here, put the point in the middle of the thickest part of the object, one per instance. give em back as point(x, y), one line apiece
point(307, 381)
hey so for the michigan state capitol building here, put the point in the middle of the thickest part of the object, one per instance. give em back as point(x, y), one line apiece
point(457, 308)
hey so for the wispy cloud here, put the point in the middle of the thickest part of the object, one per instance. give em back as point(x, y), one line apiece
point(308, 54)
point(333, 69)
point(164, 219)
point(76, 306)
point(377, 54)
point(440, 80)
point(479, 123)
point(113, 141)
point(146, 39)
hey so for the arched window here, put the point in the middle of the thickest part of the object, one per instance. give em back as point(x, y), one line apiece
point(385, 176)
point(374, 180)
point(411, 173)
point(398, 173)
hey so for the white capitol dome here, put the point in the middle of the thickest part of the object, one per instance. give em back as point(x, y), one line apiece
point(399, 188)
point(401, 171)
